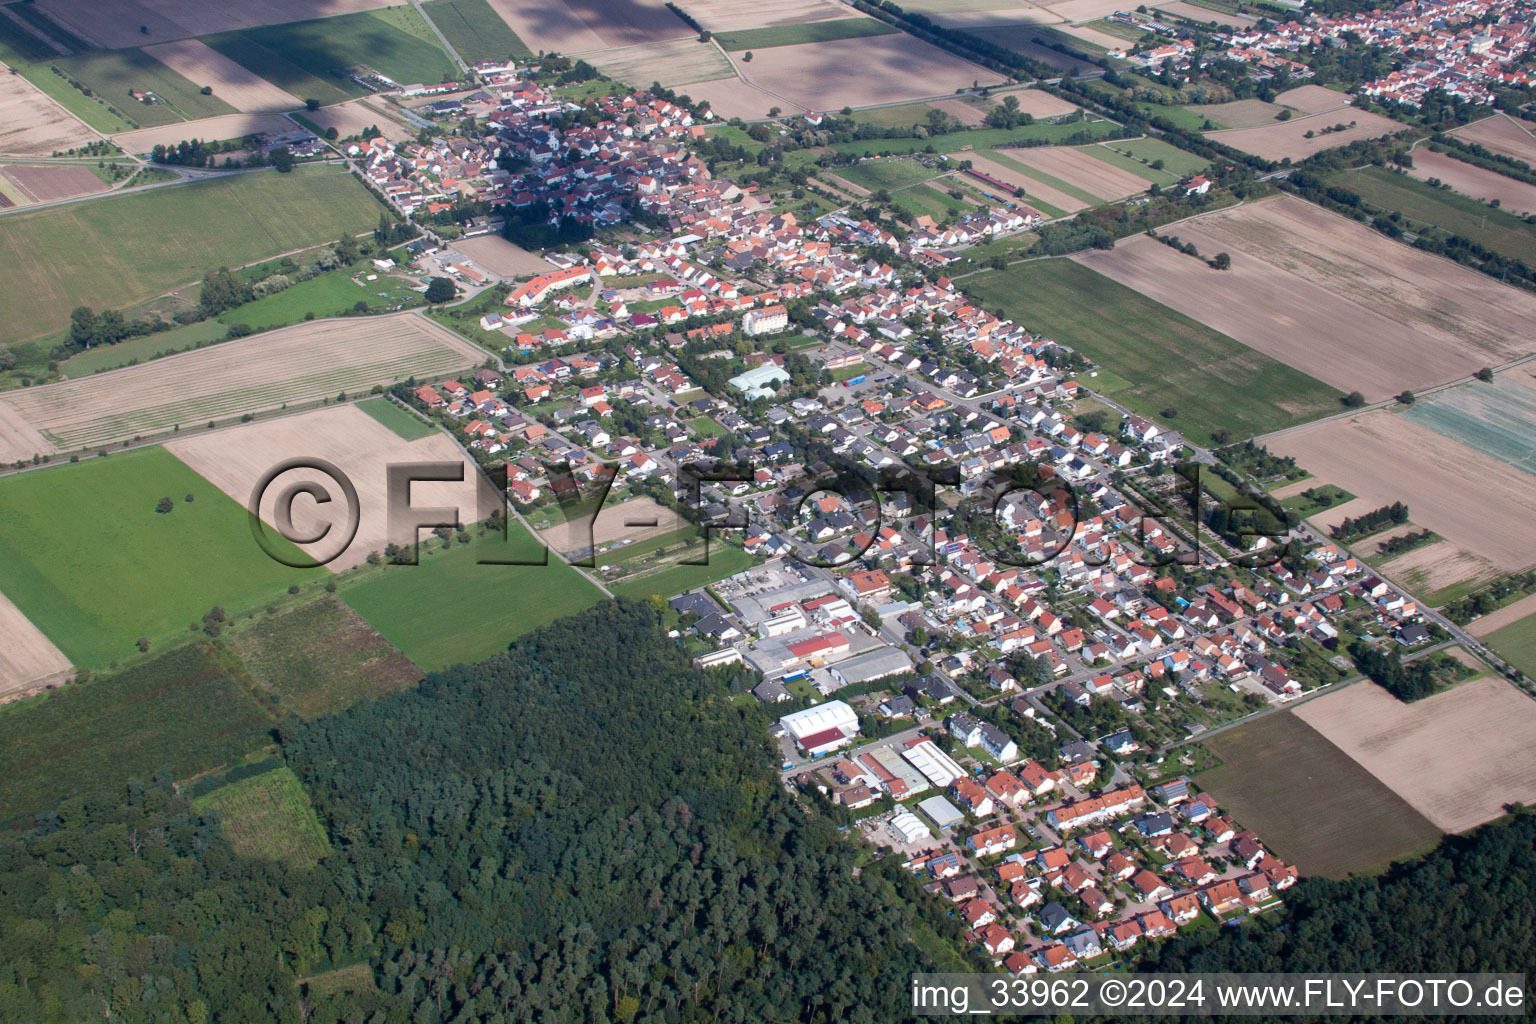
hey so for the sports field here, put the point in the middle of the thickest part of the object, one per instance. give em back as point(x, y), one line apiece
point(1310, 803)
point(475, 31)
point(1210, 381)
point(114, 76)
point(117, 251)
point(449, 609)
point(268, 816)
point(1499, 230)
point(85, 555)
point(186, 710)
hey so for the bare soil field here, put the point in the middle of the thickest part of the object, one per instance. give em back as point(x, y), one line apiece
point(610, 525)
point(845, 186)
point(575, 26)
point(352, 117)
point(1077, 11)
point(1238, 113)
point(1313, 99)
point(1288, 138)
point(1330, 297)
point(1516, 196)
point(241, 88)
point(731, 97)
point(1433, 567)
point(28, 659)
point(32, 124)
point(210, 129)
point(44, 183)
point(731, 15)
point(965, 113)
point(1204, 14)
point(357, 444)
point(304, 363)
point(1472, 500)
point(1501, 133)
point(1077, 167)
point(858, 72)
point(1509, 614)
point(1457, 757)
point(1037, 103)
point(672, 63)
point(500, 256)
point(1002, 172)
point(1295, 487)
point(116, 25)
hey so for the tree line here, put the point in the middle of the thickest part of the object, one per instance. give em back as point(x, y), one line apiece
point(1395, 514)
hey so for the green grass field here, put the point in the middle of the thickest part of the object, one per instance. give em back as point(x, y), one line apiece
point(922, 199)
point(280, 71)
point(393, 41)
point(1210, 380)
point(138, 350)
point(476, 31)
point(900, 116)
point(1499, 230)
point(87, 558)
point(805, 32)
point(1175, 160)
point(955, 143)
point(449, 609)
point(724, 560)
point(877, 174)
point(268, 816)
point(1312, 804)
point(405, 424)
point(1190, 119)
point(93, 110)
point(319, 658)
point(186, 710)
point(114, 252)
point(1516, 643)
point(117, 74)
point(1325, 496)
point(330, 294)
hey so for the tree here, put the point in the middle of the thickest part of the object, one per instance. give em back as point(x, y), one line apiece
point(206, 90)
point(311, 104)
point(1485, 375)
point(1222, 261)
point(1407, 398)
point(282, 159)
point(165, 506)
point(440, 290)
point(1354, 399)
point(746, 58)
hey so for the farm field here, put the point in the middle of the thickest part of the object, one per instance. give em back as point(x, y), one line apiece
point(726, 16)
point(1006, 170)
point(1078, 167)
point(209, 129)
point(1203, 14)
point(1497, 419)
point(1467, 497)
point(1522, 608)
point(352, 117)
point(475, 30)
point(1499, 230)
point(450, 609)
point(268, 816)
point(1456, 757)
point(803, 32)
point(966, 142)
point(273, 67)
point(32, 123)
point(887, 174)
point(28, 660)
point(1436, 572)
point(137, 22)
point(1508, 136)
point(1314, 99)
point(113, 76)
point(673, 63)
point(1212, 381)
point(319, 658)
point(1516, 643)
point(613, 524)
point(186, 709)
point(577, 26)
point(1314, 806)
point(331, 294)
point(1020, 38)
point(304, 363)
point(1476, 182)
point(361, 447)
point(119, 251)
point(45, 183)
point(406, 425)
point(1238, 113)
point(1380, 317)
point(142, 349)
point(89, 560)
point(1289, 138)
point(235, 85)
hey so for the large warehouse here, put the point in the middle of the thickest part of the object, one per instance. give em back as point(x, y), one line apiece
point(823, 728)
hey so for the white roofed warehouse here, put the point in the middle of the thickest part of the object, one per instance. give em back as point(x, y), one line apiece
point(823, 728)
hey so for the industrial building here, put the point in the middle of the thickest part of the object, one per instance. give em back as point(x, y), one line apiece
point(822, 729)
point(943, 813)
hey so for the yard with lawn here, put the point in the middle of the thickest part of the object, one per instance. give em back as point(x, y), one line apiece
point(1206, 380)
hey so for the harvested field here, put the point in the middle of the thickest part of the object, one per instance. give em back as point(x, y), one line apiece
point(1238, 113)
point(575, 26)
point(1081, 169)
point(1310, 802)
point(1032, 187)
point(731, 97)
point(44, 183)
point(1457, 757)
point(966, 113)
point(1331, 297)
point(1094, 37)
point(500, 256)
point(117, 24)
point(858, 72)
point(672, 63)
point(1313, 99)
point(1037, 102)
point(351, 118)
point(28, 660)
point(1510, 136)
point(357, 444)
point(1195, 12)
point(628, 521)
point(1517, 196)
point(735, 15)
point(290, 366)
point(1431, 568)
point(1470, 499)
point(1505, 616)
point(1289, 138)
point(202, 66)
point(209, 129)
point(32, 123)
